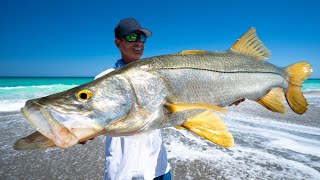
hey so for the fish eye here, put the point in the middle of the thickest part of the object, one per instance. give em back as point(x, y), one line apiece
point(84, 95)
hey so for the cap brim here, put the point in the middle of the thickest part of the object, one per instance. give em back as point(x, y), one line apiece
point(146, 32)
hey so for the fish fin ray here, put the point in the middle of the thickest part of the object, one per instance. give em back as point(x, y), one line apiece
point(298, 73)
point(211, 127)
point(182, 107)
point(178, 127)
point(273, 100)
point(250, 44)
point(193, 51)
point(34, 141)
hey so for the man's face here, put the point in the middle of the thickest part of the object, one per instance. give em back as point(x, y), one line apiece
point(130, 51)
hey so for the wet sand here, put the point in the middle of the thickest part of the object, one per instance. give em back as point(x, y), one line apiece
point(257, 153)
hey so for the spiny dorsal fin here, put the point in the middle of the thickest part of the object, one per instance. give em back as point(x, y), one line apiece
point(273, 100)
point(250, 44)
point(192, 51)
point(211, 127)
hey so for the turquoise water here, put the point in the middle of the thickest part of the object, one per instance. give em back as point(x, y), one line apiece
point(15, 91)
point(311, 85)
point(38, 81)
point(16, 82)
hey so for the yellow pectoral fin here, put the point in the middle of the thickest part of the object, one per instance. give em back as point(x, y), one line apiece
point(178, 127)
point(211, 127)
point(183, 107)
point(273, 100)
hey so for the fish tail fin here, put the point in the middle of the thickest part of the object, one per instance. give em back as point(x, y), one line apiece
point(211, 127)
point(298, 73)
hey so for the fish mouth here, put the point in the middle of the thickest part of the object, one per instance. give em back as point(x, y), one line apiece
point(45, 123)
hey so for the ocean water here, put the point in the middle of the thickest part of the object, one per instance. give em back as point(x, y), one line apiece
point(14, 92)
point(267, 145)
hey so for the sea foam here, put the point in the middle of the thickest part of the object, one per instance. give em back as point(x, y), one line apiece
point(14, 98)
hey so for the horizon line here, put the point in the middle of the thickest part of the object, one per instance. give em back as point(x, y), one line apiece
point(46, 76)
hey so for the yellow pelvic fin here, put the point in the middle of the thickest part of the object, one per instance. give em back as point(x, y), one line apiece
point(182, 107)
point(211, 127)
point(250, 44)
point(273, 100)
point(298, 73)
point(192, 51)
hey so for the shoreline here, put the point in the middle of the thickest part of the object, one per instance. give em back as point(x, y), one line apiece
point(263, 149)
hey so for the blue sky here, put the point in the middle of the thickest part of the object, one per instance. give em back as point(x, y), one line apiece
point(75, 38)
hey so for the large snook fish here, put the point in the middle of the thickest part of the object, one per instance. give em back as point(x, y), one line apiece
point(182, 90)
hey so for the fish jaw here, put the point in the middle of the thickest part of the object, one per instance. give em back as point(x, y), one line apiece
point(42, 120)
point(55, 129)
point(63, 129)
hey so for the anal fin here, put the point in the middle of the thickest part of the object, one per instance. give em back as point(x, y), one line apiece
point(211, 127)
point(274, 100)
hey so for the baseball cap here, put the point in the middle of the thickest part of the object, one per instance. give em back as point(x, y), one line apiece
point(129, 25)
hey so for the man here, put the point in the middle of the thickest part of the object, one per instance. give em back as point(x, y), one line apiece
point(140, 156)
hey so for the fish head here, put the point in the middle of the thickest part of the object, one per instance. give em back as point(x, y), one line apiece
point(149, 93)
point(80, 113)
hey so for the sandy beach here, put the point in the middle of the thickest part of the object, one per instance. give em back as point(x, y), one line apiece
point(267, 146)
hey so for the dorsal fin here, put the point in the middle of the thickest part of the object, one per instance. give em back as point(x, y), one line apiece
point(193, 51)
point(250, 44)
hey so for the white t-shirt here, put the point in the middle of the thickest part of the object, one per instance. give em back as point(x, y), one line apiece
point(141, 156)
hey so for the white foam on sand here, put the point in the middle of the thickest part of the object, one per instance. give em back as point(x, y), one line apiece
point(189, 136)
point(14, 98)
point(238, 119)
point(297, 138)
point(262, 159)
point(263, 148)
point(11, 105)
point(249, 160)
point(297, 146)
point(240, 160)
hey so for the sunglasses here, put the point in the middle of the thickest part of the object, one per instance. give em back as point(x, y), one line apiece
point(133, 37)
